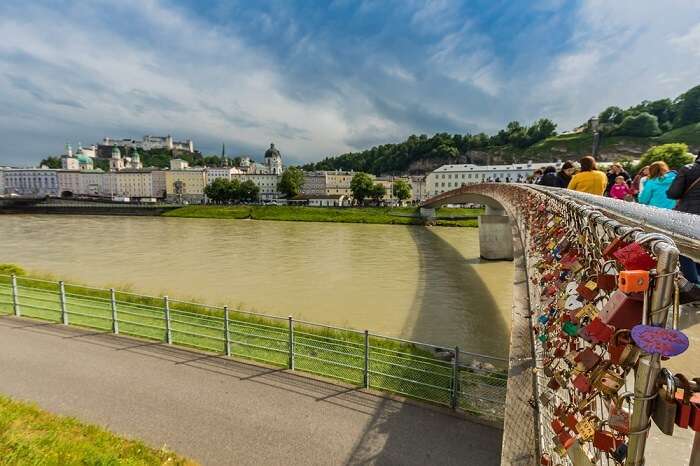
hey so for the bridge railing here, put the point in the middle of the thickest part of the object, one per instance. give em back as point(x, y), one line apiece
point(471, 383)
point(569, 241)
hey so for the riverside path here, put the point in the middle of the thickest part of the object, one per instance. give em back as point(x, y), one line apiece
point(218, 411)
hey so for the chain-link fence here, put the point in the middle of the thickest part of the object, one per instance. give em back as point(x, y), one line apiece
point(469, 382)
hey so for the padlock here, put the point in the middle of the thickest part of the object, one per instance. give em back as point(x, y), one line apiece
point(596, 332)
point(557, 426)
point(660, 340)
point(633, 281)
point(695, 410)
point(566, 439)
point(634, 257)
point(582, 383)
point(609, 379)
point(570, 421)
point(620, 453)
point(605, 440)
point(545, 459)
point(585, 429)
point(621, 349)
point(618, 415)
point(614, 246)
point(684, 408)
point(588, 291)
point(588, 358)
point(622, 311)
point(664, 412)
point(570, 328)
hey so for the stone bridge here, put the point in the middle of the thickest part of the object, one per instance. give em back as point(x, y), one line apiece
point(538, 227)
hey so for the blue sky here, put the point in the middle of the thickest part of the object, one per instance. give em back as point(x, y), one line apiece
point(320, 78)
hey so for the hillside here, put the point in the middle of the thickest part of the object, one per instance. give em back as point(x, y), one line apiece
point(626, 133)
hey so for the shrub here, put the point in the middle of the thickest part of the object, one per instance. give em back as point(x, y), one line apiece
point(9, 269)
point(675, 155)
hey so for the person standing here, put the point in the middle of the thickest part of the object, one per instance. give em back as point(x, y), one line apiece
point(639, 180)
point(614, 171)
point(589, 180)
point(566, 171)
point(655, 188)
point(549, 178)
point(619, 190)
point(686, 189)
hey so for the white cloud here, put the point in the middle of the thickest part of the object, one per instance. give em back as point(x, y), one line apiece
point(689, 40)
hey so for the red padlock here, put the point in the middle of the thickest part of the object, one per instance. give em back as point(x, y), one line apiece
point(610, 249)
point(588, 358)
point(622, 311)
point(567, 440)
point(557, 426)
point(634, 257)
point(695, 411)
point(582, 383)
point(606, 441)
point(596, 332)
point(684, 407)
point(571, 421)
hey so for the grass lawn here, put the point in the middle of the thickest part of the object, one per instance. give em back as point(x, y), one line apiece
point(29, 435)
point(375, 215)
point(394, 366)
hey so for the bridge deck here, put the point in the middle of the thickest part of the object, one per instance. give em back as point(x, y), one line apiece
point(220, 411)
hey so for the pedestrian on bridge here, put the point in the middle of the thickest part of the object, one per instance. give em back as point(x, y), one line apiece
point(655, 187)
point(589, 180)
point(686, 188)
point(566, 171)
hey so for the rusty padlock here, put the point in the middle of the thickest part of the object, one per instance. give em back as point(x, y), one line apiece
point(664, 412)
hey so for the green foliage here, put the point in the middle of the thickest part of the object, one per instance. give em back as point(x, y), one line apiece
point(687, 108)
point(361, 186)
point(643, 125)
point(611, 115)
point(402, 190)
point(9, 269)
point(223, 191)
point(51, 162)
point(29, 435)
point(291, 182)
point(378, 192)
point(675, 155)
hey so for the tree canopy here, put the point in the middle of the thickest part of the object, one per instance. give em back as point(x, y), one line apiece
point(402, 190)
point(361, 186)
point(642, 125)
point(291, 182)
point(223, 191)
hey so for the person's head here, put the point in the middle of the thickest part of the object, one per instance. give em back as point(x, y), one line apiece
point(588, 164)
point(550, 169)
point(616, 168)
point(537, 172)
point(620, 180)
point(568, 167)
point(644, 171)
point(658, 169)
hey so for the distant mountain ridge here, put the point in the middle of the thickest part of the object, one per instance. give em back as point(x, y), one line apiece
point(625, 134)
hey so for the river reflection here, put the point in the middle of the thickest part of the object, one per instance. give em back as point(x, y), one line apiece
point(412, 282)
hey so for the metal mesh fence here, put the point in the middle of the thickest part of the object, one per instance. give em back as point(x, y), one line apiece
point(417, 370)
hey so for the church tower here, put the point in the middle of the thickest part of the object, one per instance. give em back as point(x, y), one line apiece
point(273, 160)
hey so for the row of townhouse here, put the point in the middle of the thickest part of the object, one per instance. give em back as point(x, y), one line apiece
point(332, 188)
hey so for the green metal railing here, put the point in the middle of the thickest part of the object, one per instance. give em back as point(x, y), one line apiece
point(469, 382)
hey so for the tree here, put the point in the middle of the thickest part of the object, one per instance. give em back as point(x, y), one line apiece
point(542, 129)
point(291, 182)
point(675, 155)
point(687, 108)
point(402, 190)
point(216, 190)
point(612, 115)
point(361, 186)
point(249, 191)
point(51, 162)
point(642, 125)
point(377, 192)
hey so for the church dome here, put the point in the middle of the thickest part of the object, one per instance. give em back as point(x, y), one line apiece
point(116, 153)
point(272, 152)
point(83, 159)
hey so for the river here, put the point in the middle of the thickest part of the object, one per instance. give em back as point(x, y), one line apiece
point(425, 284)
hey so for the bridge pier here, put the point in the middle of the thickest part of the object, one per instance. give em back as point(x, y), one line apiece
point(495, 235)
point(427, 213)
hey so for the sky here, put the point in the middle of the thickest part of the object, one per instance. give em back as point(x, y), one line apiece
point(323, 78)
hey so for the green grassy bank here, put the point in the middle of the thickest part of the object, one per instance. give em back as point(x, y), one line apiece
point(29, 435)
point(408, 369)
point(375, 215)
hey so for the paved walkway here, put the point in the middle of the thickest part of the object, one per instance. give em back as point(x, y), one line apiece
point(221, 412)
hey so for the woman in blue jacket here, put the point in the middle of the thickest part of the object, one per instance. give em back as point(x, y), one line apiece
point(655, 187)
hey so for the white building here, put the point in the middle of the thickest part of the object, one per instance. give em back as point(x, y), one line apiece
point(266, 183)
point(273, 160)
point(178, 164)
point(91, 183)
point(2, 180)
point(68, 182)
point(134, 184)
point(449, 177)
point(159, 186)
point(31, 181)
point(214, 173)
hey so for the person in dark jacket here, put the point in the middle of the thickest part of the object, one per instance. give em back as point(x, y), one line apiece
point(686, 188)
point(565, 173)
point(614, 171)
point(549, 178)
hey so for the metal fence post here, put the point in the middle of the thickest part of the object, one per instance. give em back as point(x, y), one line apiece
point(291, 343)
point(62, 300)
point(227, 337)
point(168, 331)
point(455, 380)
point(15, 296)
point(365, 380)
point(115, 320)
